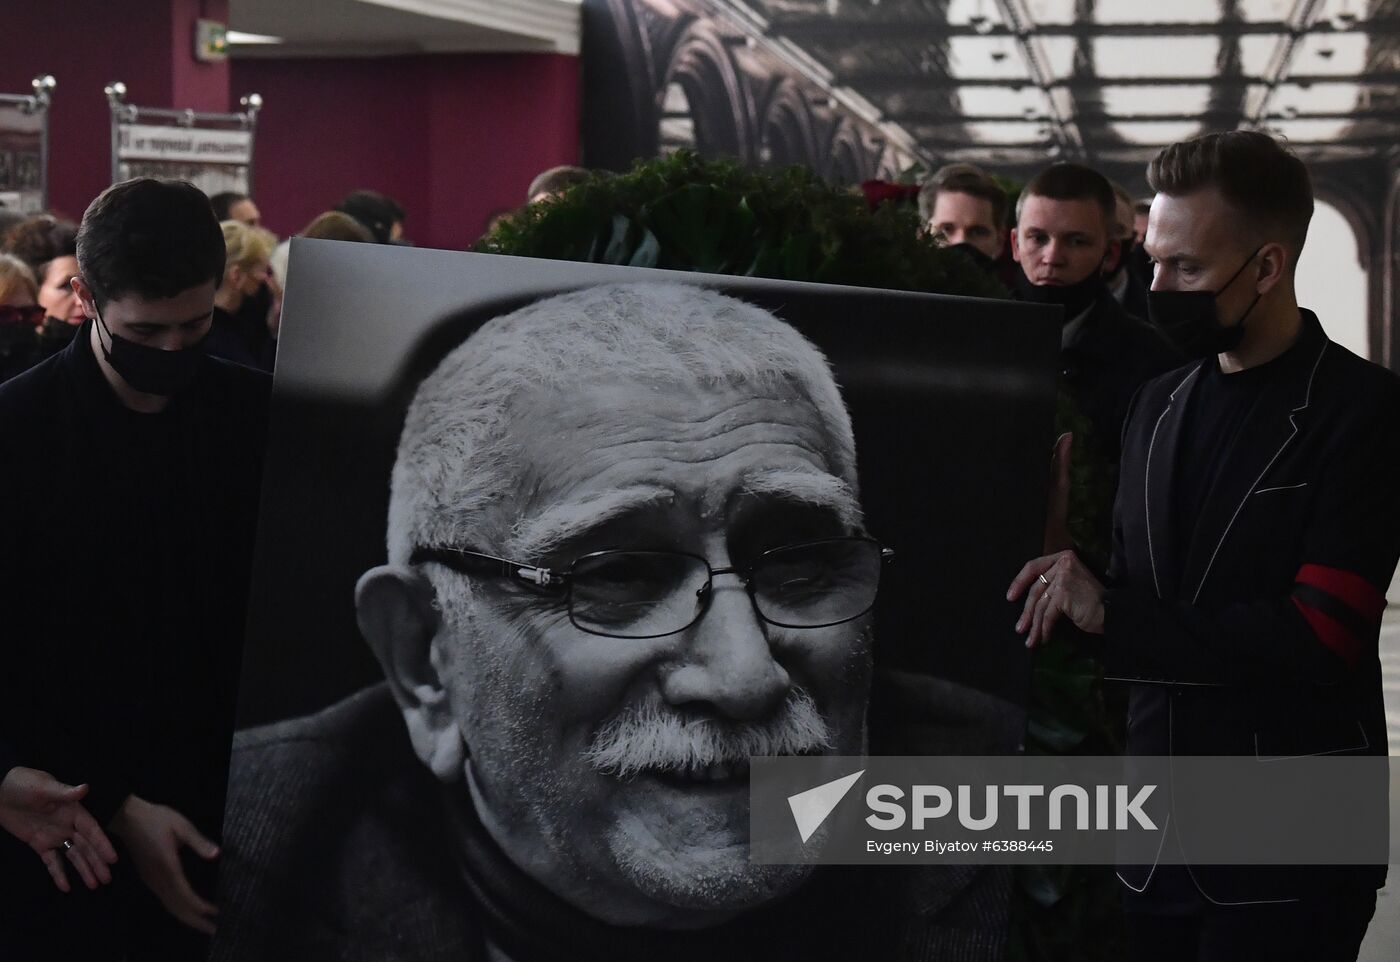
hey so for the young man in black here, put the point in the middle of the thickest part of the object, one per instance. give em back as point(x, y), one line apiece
point(133, 465)
point(1255, 532)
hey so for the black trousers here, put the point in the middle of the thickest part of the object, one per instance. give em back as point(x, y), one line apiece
point(1324, 929)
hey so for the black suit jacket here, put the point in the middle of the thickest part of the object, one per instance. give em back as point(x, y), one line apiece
point(1260, 638)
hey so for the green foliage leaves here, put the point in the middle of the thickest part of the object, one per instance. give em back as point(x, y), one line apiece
point(684, 213)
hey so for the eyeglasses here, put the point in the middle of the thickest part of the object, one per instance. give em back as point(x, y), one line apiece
point(33, 315)
point(651, 594)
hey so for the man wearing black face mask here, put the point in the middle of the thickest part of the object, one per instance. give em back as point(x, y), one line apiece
point(1064, 226)
point(1255, 533)
point(135, 460)
point(1123, 283)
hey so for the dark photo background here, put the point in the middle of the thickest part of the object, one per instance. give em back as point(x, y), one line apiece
point(952, 401)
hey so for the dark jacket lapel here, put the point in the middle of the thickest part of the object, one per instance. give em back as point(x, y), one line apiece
point(1160, 484)
point(1265, 435)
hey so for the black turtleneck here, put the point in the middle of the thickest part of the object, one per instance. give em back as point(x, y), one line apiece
point(826, 918)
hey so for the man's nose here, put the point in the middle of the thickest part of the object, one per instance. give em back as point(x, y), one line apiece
point(728, 664)
point(1054, 253)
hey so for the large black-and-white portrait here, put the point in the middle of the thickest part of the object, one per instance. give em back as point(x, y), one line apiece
point(548, 551)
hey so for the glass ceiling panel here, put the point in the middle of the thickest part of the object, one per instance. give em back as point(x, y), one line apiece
point(1256, 52)
point(1339, 54)
point(1310, 130)
point(985, 57)
point(981, 14)
point(1146, 132)
point(1001, 101)
point(1010, 132)
point(1254, 11)
point(1328, 98)
point(1059, 55)
point(1175, 11)
point(1126, 101)
point(1346, 14)
point(1051, 11)
point(1339, 14)
point(1171, 56)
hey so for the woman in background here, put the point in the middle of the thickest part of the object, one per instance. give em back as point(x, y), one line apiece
point(49, 245)
point(20, 316)
point(235, 334)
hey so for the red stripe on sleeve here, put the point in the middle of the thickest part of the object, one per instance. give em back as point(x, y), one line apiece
point(1356, 592)
point(1331, 633)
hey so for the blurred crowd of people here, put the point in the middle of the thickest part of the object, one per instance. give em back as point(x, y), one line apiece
point(118, 323)
point(40, 314)
point(1071, 237)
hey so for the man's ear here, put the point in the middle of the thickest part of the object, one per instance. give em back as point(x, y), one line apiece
point(1111, 257)
point(84, 294)
point(1274, 261)
point(1015, 247)
point(396, 614)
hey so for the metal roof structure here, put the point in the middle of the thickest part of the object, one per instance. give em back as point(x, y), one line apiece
point(1108, 82)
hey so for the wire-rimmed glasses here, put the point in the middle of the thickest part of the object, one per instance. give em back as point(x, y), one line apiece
point(638, 594)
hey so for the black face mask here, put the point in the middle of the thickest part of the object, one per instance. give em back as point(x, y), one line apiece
point(978, 257)
point(1074, 298)
point(56, 331)
point(1190, 322)
point(149, 369)
point(1141, 265)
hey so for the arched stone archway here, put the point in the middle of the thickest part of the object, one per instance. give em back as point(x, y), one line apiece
point(849, 163)
point(720, 107)
point(789, 129)
point(625, 125)
point(1352, 190)
point(1387, 275)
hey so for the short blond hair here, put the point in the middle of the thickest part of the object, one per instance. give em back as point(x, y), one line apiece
point(16, 278)
point(244, 245)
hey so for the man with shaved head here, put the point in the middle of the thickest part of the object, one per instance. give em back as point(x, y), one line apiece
point(625, 553)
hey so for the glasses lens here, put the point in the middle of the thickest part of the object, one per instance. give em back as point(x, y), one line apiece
point(817, 584)
point(636, 594)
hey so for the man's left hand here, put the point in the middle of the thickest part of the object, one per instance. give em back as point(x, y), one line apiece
point(1059, 584)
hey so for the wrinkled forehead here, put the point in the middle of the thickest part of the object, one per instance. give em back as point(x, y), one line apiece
point(694, 453)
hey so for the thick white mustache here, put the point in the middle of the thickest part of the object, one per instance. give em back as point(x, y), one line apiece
point(638, 740)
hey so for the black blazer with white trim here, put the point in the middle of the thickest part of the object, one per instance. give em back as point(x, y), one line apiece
point(1258, 636)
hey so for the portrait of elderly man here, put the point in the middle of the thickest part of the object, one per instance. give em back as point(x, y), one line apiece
point(625, 553)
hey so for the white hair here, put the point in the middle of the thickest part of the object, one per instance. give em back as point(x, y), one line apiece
point(455, 456)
